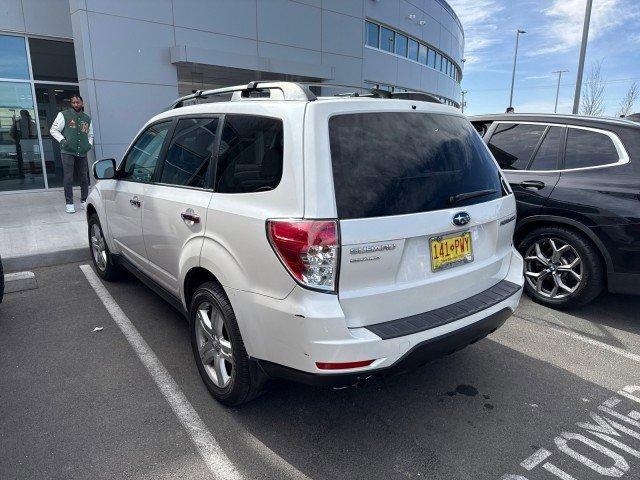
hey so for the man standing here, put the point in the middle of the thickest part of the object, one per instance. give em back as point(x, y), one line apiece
point(73, 130)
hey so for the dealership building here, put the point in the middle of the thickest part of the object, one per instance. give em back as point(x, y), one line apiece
point(130, 59)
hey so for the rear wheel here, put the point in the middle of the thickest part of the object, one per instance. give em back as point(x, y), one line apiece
point(219, 350)
point(100, 254)
point(562, 267)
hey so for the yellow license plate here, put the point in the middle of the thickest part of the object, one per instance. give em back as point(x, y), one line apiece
point(448, 251)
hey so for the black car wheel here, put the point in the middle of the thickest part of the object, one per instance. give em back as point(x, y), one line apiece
point(218, 348)
point(562, 267)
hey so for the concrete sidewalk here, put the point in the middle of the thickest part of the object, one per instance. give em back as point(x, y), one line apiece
point(36, 231)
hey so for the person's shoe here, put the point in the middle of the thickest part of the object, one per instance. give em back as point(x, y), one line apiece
point(71, 208)
point(83, 205)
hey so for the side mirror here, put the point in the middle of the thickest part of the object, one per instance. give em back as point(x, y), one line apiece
point(104, 169)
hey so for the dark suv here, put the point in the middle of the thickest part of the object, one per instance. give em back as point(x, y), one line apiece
point(577, 184)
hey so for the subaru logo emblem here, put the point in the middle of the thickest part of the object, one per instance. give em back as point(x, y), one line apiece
point(461, 218)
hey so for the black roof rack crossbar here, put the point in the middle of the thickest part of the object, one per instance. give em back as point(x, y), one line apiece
point(290, 91)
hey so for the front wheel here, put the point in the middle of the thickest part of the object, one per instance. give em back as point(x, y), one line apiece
point(219, 350)
point(562, 267)
point(100, 254)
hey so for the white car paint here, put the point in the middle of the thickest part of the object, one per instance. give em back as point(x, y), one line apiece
point(279, 320)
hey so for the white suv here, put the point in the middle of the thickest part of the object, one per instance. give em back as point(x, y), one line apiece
point(318, 239)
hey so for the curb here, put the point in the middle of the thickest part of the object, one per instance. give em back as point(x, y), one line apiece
point(16, 264)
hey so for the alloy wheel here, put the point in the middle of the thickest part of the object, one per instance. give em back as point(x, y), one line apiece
point(214, 346)
point(553, 268)
point(98, 247)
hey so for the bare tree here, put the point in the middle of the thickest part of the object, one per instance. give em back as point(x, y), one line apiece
point(593, 97)
point(629, 100)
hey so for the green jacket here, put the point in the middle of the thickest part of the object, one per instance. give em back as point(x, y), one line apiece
point(75, 133)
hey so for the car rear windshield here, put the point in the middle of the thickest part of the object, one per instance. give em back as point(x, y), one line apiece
point(393, 163)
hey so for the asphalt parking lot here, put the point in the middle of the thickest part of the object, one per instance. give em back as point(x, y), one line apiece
point(550, 395)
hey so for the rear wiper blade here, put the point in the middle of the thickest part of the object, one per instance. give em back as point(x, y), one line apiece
point(453, 199)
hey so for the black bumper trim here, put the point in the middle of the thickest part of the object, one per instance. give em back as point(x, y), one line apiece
point(441, 316)
point(420, 354)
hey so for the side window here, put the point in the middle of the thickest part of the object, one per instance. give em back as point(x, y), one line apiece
point(189, 154)
point(142, 158)
point(547, 156)
point(250, 154)
point(589, 149)
point(513, 144)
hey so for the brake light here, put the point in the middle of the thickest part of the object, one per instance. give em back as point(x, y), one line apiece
point(309, 249)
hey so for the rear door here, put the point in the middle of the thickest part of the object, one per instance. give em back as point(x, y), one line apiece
point(529, 155)
point(400, 182)
point(175, 209)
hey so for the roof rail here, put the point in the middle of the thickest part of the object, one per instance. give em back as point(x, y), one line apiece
point(415, 96)
point(289, 90)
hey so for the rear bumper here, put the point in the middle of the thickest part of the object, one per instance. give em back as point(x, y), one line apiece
point(293, 334)
point(423, 352)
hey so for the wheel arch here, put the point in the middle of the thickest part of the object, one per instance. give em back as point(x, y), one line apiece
point(530, 223)
point(195, 277)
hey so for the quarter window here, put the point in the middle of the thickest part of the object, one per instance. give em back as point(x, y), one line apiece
point(250, 154)
point(141, 161)
point(189, 154)
point(589, 149)
point(373, 34)
point(513, 144)
point(547, 156)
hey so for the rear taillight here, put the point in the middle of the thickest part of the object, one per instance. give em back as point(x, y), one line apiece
point(309, 249)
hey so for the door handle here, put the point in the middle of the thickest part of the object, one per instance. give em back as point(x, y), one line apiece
point(135, 202)
point(190, 216)
point(538, 185)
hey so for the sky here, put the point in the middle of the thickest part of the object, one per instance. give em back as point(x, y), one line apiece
point(552, 42)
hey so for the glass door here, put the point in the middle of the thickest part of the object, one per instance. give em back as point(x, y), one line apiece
point(52, 99)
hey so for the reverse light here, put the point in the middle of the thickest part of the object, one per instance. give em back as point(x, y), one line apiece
point(342, 366)
point(309, 249)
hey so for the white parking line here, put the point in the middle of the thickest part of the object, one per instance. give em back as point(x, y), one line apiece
point(596, 343)
point(218, 463)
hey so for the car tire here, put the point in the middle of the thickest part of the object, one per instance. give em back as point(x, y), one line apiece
point(219, 350)
point(564, 259)
point(102, 258)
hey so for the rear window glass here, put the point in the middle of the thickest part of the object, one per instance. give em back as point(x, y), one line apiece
point(396, 163)
point(589, 149)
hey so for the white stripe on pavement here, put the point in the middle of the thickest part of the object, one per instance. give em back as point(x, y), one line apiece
point(216, 460)
point(596, 343)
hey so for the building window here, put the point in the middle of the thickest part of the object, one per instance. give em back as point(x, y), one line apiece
point(373, 34)
point(29, 157)
point(422, 55)
point(413, 50)
point(431, 61)
point(53, 60)
point(401, 45)
point(13, 58)
point(387, 39)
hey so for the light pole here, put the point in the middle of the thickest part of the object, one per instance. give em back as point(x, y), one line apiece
point(559, 72)
point(463, 103)
point(515, 59)
point(583, 52)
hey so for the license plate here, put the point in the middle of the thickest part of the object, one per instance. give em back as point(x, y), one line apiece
point(448, 251)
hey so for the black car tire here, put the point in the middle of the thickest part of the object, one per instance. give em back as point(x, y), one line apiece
point(1, 281)
point(593, 278)
point(107, 269)
point(246, 380)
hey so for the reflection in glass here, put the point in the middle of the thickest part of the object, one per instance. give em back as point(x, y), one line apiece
point(13, 58)
point(20, 160)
